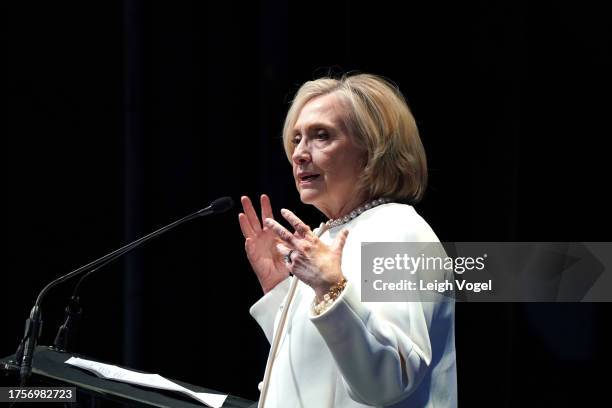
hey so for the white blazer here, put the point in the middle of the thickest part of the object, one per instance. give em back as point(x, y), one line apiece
point(362, 354)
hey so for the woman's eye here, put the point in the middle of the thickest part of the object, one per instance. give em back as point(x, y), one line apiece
point(296, 140)
point(322, 136)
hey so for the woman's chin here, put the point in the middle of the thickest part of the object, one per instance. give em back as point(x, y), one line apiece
point(309, 196)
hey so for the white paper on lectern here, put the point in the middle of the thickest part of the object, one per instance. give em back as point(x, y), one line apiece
point(112, 372)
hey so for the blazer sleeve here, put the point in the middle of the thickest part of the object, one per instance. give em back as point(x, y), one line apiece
point(383, 349)
point(382, 352)
point(264, 311)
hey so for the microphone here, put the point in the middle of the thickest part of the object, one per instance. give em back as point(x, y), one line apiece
point(72, 316)
point(220, 205)
point(33, 328)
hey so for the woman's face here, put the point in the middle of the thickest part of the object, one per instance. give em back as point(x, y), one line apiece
point(326, 161)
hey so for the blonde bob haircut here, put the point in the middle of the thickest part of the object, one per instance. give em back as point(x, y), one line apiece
point(379, 120)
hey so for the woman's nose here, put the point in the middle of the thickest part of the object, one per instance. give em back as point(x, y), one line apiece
point(301, 153)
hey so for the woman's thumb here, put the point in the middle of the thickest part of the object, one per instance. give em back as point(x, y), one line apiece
point(341, 239)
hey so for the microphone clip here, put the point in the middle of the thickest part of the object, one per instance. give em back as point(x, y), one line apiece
point(67, 331)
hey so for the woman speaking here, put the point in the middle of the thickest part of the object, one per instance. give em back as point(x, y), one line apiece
point(357, 157)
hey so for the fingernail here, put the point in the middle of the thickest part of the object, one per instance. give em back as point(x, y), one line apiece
point(283, 210)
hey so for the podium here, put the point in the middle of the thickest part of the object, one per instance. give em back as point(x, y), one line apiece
point(49, 370)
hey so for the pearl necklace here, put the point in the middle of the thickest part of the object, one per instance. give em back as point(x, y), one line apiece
point(356, 212)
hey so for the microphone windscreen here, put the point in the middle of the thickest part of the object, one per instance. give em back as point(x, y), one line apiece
point(221, 205)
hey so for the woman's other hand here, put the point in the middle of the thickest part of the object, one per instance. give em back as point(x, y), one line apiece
point(313, 262)
point(260, 244)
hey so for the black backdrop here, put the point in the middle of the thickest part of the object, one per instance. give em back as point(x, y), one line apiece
point(123, 116)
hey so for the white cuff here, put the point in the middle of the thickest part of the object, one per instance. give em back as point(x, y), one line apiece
point(265, 309)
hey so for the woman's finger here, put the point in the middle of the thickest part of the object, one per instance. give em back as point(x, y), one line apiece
point(280, 231)
point(250, 213)
point(266, 207)
point(297, 224)
point(245, 226)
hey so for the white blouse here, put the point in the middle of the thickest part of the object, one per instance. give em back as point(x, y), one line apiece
point(362, 354)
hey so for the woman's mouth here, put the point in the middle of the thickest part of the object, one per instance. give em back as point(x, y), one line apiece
point(308, 178)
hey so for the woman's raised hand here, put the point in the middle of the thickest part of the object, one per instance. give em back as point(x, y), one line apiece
point(316, 264)
point(260, 244)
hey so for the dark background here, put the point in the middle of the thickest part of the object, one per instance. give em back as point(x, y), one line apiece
point(124, 116)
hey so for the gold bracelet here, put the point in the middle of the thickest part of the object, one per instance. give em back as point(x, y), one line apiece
point(329, 297)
